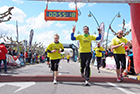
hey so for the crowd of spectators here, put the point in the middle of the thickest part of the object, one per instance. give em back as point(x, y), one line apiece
point(28, 57)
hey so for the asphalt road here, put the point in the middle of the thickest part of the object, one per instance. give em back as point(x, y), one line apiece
point(71, 68)
point(64, 87)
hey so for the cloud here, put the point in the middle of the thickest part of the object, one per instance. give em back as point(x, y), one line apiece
point(68, 37)
point(18, 14)
point(46, 37)
point(79, 5)
point(8, 29)
point(91, 4)
point(18, 1)
point(105, 34)
point(60, 25)
point(34, 23)
point(65, 32)
point(127, 25)
point(38, 22)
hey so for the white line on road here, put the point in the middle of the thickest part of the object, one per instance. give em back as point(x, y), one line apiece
point(121, 89)
point(22, 85)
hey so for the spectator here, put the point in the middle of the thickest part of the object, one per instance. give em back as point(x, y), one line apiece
point(26, 56)
point(14, 52)
point(3, 52)
point(21, 58)
point(29, 56)
point(42, 57)
point(9, 51)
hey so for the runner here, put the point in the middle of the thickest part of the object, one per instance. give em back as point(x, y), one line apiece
point(85, 50)
point(55, 56)
point(48, 58)
point(98, 54)
point(118, 45)
point(68, 58)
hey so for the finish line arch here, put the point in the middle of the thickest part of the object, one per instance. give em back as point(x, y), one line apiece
point(135, 23)
point(75, 50)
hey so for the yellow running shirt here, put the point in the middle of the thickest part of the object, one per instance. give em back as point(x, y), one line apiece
point(116, 41)
point(97, 51)
point(48, 54)
point(85, 43)
point(57, 47)
point(68, 56)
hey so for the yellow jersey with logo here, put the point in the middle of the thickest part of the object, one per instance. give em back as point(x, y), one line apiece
point(48, 54)
point(85, 43)
point(97, 51)
point(116, 41)
point(68, 56)
point(57, 47)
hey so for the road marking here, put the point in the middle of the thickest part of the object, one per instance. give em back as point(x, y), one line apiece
point(121, 89)
point(22, 85)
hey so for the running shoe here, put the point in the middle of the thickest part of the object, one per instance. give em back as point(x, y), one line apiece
point(49, 65)
point(119, 80)
point(54, 81)
point(98, 71)
point(87, 83)
point(83, 75)
point(5, 72)
point(121, 76)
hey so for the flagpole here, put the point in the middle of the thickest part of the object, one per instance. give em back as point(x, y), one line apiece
point(17, 36)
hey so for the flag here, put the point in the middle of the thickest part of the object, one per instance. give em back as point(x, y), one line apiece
point(31, 38)
point(102, 27)
point(17, 36)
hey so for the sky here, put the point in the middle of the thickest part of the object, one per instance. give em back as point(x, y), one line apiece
point(30, 15)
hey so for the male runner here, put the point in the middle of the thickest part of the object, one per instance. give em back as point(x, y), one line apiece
point(85, 50)
point(98, 54)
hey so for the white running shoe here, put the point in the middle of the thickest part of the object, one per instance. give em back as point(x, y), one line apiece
point(87, 83)
point(119, 80)
point(54, 81)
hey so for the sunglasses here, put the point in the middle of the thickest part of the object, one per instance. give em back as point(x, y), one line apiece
point(121, 33)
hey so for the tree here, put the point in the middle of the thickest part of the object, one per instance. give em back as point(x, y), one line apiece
point(123, 28)
point(5, 14)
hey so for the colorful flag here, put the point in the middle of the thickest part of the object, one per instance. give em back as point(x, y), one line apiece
point(102, 27)
point(31, 38)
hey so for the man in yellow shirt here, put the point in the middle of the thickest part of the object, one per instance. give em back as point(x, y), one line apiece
point(68, 58)
point(98, 54)
point(55, 49)
point(118, 45)
point(85, 50)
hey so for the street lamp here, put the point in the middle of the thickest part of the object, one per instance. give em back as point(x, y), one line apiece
point(90, 14)
point(117, 15)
